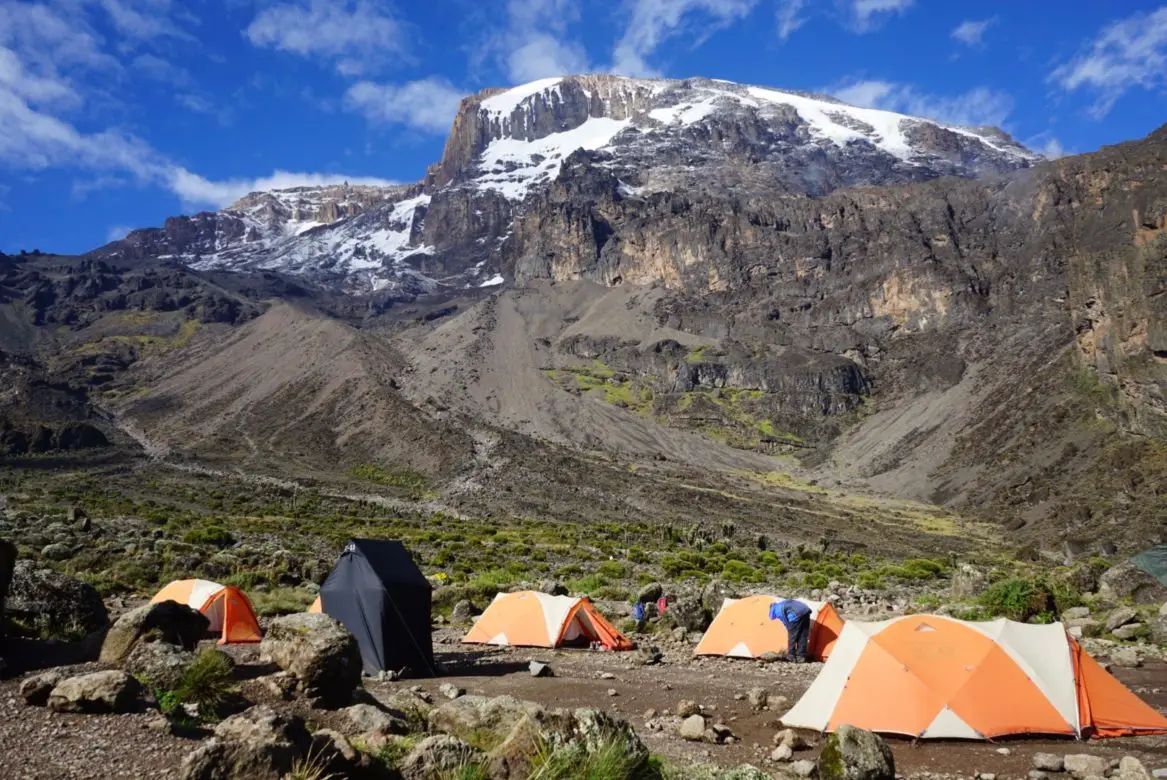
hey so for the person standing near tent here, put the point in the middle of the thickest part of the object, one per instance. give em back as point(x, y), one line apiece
point(795, 616)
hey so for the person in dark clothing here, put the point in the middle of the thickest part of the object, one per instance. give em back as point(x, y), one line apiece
point(796, 617)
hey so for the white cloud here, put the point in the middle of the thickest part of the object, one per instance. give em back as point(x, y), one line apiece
point(143, 18)
point(427, 104)
point(534, 41)
point(790, 17)
point(541, 55)
point(196, 190)
point(117, 232)
point(1128, 53)
point(361, 35)
point(868, 13)
point(38, 90)
point(971, 32)
point(160, 70)
point(977, 107)
point(651, 22)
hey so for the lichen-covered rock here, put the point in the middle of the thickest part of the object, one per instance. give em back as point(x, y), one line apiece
point(258, 744)
point(321, 652)
point(852, 753)
point(109, 691)
point(36, 689)
point(365, 718)
point(484, 721)
point(158, 664)
point(1084, 765)
point(53, 605)
point(436, 756)
point(168, 622)
point(1126, 580)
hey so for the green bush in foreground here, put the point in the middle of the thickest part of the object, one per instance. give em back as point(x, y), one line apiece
point(1019, 599)
point(206, 683)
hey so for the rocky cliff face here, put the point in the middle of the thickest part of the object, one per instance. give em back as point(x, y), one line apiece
point(507, 147)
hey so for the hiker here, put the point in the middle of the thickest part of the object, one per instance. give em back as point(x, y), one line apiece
point(796, 617)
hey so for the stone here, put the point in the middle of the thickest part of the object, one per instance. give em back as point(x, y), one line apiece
point(1126, 657)
point(169, 622)
point(1130, 768)
point(257, 744)
point(1073, 613)
point(7, 566)
point(968, 582)
point(58, 551)
point(480, 719)
point(1084, 626)
point(804, 768)
point(1083, 765)
point(692, 728)
point(688, 613)
point(365, 718)
point(515, 756)
point(1163, 610)
point(713, 597)
point(1127, 581)
point(772, 656)
point(539, 669)
point(790, 738)
point(1120, 616)
point(36, 689)
point(649, 655)
point(335, 754)
point(282, 685)
point(54, 605)
point(109, 691)
point(1048, 762)
point(1037, 774)
point(686, 708)
point(1158, 630)
point(158, 664)
point(855, 754)
point(320, 652)
point(1004, 751)
point(758, 699)
point(650, 593)
point(1128, 631)
point(553, 588)
point(463, 611)
point(721, 733)
point(437, 756)
point(451, 691)
point(781, 753)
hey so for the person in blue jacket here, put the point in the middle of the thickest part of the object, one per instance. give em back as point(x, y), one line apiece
point(796, 617)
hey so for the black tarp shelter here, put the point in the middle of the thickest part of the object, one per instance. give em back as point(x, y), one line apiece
point(378, 593)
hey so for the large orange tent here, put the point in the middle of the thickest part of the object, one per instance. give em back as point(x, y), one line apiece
point(227, 607)
point(743, 629)
point(936, 677)
point(535, 619)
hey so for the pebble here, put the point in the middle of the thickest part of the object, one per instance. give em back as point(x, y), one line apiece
point(613, 692)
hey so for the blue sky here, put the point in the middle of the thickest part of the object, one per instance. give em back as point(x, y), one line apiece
point(115, 114)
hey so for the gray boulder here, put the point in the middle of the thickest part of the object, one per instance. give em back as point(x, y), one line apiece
point(1129, 581)
point(365, 718)
point(158, 664)
point(1048, 762)
point(1130, 768)
point(688, 613)
point(1120, 616)
point(168, 622)
point(553, 588)
point(692, 728)
point(1158, 629)
point(321, 652)
point(1083, 626)
point(52, 605)
point(714, 594)
point(968, 582)
point(463, 611)
point(36, 689)
point(438, 756)
point(258, 744)
point(1083, 765)
point(57, 551)
point(110, 691)
point(854, 754)
point(485, 721)
point(650, 593)
point(1128, 631)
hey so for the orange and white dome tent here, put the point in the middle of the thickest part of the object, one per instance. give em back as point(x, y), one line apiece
point(743, 629)
point(227, 607)
point(928, 676)
point(533, 619)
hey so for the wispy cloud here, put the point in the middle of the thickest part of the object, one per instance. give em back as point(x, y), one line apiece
point(359, 35)
point(1128, 53)
point(1047, 145)
point(196, 190)
point(651, 22)
point(974, 108)
point(535, 41)
point(790, 17)
point(427, 104)
point(971, 32)
point(868, 14)
point(117, 232)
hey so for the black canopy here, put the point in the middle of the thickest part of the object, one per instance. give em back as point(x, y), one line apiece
point(378, 593)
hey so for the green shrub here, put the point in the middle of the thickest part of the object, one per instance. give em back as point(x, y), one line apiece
point(588, 584)
point(611, 569)
point(610, 758)
point(215, 535)
point(739, 571)
point(1018, 598)
point(280, 601)
point(207, 683)
point(869, 580)
point(816, 580)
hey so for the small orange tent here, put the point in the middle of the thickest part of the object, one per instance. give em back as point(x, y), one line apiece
point(929, 676)
point(743, 629)
point(227, 607)
point(535, 619)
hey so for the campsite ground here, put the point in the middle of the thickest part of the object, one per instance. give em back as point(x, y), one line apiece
point(37, 743)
